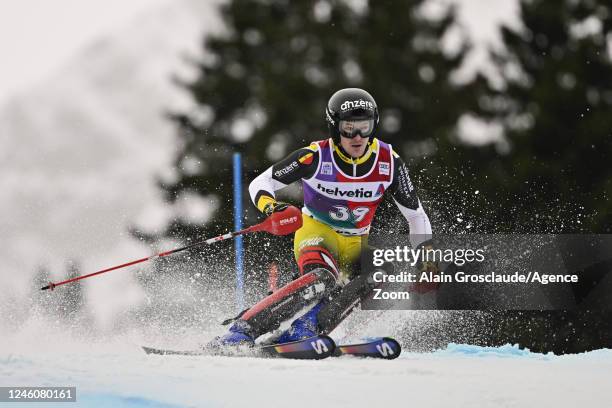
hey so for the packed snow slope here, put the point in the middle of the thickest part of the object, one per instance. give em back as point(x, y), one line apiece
point(458, 376)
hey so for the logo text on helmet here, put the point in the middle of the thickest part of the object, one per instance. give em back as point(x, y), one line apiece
point(329, 118)
point(359, 103)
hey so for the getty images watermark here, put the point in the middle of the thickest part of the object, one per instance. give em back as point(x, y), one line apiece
point(526, 272)
point(458, 257)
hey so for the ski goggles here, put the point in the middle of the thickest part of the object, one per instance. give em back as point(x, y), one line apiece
point(352, 128)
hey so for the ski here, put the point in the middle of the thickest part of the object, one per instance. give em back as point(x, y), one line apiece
point(166, 352)
point(384, 347)
point(313, 348)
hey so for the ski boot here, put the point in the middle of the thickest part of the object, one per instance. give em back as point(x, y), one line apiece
point(239, 335)
point(302, 327)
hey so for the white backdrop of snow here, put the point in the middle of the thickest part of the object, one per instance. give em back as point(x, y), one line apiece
point(80, 152)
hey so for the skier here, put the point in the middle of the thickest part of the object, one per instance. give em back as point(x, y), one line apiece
point(344, 179)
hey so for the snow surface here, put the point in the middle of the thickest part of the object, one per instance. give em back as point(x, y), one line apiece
point(119, 374)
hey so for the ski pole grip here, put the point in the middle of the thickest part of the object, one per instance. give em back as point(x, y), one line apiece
point(50, 286)
point(284, 222)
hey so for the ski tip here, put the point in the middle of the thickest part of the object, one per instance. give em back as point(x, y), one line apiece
point(150, 350)
point(394, 344)
point(163, 352)
point(50, 286)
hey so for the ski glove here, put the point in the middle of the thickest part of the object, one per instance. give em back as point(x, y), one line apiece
point(275, 206)
point(430, 267)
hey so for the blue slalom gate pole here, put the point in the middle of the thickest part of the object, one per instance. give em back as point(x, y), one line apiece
point(237, 227)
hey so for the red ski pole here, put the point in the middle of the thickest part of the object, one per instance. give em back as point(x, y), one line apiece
point(281, 223)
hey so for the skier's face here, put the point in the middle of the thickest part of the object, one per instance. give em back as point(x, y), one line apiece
point(356, 146)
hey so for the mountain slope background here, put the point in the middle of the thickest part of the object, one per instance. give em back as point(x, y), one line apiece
point(80, 151)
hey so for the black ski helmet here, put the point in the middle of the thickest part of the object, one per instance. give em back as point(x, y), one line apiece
point(350, 104)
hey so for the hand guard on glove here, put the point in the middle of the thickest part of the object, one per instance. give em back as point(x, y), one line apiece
point(275, 206)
